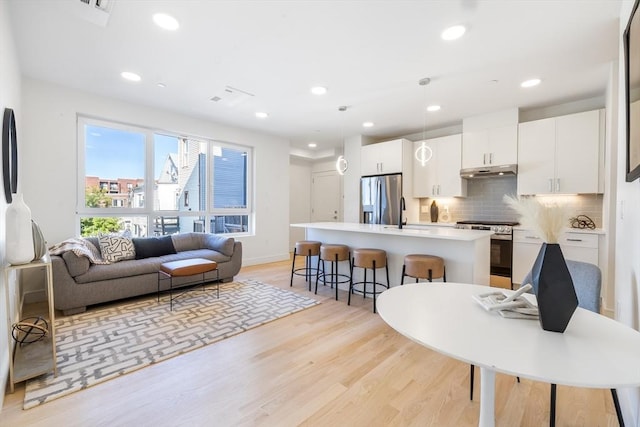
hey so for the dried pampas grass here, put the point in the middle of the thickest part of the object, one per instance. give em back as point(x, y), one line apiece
point(546, 220)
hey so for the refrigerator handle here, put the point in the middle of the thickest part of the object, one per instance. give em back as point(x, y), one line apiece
point(379, 200)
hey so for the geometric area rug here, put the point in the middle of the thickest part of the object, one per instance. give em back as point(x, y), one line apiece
point(109, 341)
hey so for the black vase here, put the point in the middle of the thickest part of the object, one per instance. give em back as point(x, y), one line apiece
point(557, 299)
point(434, 212)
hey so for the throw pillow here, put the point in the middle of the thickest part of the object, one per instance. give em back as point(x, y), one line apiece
point(147, 247)
point(116, 248)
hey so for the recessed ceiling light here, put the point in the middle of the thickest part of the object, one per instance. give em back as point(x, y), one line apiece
point(312, 145)
point(367, 124)
point(261, 115)
point(127, 75)
point(162, 85)
point(530, 83)
point(165, 21)
point(433, 108)
point(453, 33)
point(318, 90)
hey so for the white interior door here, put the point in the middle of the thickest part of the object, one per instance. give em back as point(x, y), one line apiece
point(325, 196)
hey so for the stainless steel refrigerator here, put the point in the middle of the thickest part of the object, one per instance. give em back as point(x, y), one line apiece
point(380, 199)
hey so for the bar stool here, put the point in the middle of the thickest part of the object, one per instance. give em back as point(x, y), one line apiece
point(368, 259)
point(307, 249)
point(422, 266)
point(334, 254)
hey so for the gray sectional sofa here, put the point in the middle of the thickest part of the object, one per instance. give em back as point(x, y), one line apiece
point(78, 283)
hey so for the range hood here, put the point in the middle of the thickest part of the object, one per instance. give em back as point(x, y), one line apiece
point(489, 171)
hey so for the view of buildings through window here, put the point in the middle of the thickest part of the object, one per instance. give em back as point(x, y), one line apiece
point(197, 185)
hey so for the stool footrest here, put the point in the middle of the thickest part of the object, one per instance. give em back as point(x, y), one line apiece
point(345, 278)
point(366, 292)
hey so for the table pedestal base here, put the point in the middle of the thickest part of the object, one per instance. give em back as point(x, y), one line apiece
point(487, 397)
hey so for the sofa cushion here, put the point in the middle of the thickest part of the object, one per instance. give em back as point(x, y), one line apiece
point(143, 266)
point(188, 241)
point(221, 244)
point(147, 247)
point(116, 248)
point(76, 265)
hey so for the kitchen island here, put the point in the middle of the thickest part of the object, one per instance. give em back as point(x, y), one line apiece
point(465, 252)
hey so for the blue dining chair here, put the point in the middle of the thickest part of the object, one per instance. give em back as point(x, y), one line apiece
point(587, 281)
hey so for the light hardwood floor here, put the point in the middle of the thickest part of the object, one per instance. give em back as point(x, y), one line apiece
point(330, 365)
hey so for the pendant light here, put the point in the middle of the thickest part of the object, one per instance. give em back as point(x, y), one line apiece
point(424, 153)
point(341, 163)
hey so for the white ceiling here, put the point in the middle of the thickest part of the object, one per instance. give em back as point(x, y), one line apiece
point(369, 54)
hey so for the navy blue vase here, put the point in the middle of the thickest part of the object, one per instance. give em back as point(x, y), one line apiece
point(557, 299)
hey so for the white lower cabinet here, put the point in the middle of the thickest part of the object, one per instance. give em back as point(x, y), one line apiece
point(575, 246)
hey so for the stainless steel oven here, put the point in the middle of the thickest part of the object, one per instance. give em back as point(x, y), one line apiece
point(501, 257)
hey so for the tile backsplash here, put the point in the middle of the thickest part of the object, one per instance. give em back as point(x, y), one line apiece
point(484, 202)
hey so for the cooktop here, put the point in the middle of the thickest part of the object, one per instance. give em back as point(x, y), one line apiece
point(511, 223)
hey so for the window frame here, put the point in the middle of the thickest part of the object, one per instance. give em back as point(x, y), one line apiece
point(210, 191)
point(82, 211)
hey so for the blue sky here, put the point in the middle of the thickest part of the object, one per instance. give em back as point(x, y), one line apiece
point(115, 153)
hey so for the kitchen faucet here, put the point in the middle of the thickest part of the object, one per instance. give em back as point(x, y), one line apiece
point(402, 208)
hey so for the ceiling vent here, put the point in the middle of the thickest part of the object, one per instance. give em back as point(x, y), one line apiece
point(232, 96)
point(95, 11)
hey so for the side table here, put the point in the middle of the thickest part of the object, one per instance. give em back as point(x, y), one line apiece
point(36, 358)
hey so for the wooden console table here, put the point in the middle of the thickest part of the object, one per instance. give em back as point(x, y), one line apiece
point(36, 358)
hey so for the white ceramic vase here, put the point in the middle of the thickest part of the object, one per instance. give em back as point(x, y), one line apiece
point(19, 232)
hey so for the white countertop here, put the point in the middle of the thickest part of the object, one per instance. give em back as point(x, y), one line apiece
point(432, 224)
point(569, 230)
point(447, 233)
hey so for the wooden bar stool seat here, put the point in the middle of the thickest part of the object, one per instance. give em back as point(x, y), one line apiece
point(420, 266)
point(334, 253)
point(307, 249)
point(369, 259)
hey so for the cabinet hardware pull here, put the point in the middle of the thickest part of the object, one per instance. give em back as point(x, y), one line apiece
point(550, 185)
point(574, 240)
point(557, 185)
point(490, 158)
point(438, 189)
point(532, 237)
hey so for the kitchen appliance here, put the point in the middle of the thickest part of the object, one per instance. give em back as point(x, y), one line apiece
point(501, 258)
point(380, 199)
point(489, 171)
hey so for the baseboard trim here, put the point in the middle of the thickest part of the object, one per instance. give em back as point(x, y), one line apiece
point(265, 260)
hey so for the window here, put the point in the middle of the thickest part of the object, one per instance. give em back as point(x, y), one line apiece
point(105, 168)
point(195, 184)
point(229, 184)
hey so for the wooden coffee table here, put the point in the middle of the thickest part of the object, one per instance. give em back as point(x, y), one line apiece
point(185, 268)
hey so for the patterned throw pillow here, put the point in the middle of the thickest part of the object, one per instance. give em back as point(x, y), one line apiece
point(116, 248)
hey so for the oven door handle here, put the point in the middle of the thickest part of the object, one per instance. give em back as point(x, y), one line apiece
point(501, 237)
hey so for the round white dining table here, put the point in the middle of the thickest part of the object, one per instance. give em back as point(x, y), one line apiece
point(594, 351)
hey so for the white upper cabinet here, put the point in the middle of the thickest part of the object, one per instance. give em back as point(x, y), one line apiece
point(382, 158)
point(440, 176)
point(490, 140)
point(561, 155)
point(393, 157)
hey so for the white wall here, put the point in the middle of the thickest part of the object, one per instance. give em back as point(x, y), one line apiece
point(300, 195)
point(49, 168)
point(9, 98)
point(351, 178)
point(627, 243)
